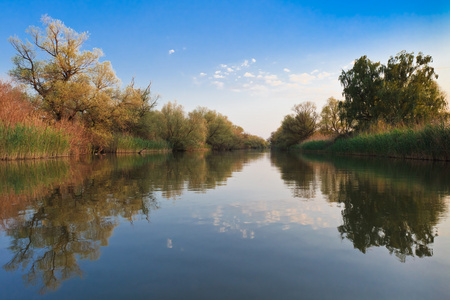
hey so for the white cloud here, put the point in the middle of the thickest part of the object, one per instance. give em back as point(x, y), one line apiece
point(271, 77)
point(218, 84)
point(323, 75)
point(171, 51)
point(274, 82)
point(245, 77)
point(304, 78)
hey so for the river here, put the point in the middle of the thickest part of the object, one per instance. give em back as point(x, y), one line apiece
point(235, 225)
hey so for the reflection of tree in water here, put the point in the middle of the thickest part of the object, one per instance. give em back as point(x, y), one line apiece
point(72, 221)
point(379, 214)
point(394, 204)
point(70, 218)
point(296, 173)
point(197, 171)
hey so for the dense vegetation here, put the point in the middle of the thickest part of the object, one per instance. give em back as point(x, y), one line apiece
point(68, 101)
point(396, 110)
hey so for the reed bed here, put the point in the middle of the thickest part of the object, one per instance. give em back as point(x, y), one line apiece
point(431, 142)
point(21, 141)
point(126, 143)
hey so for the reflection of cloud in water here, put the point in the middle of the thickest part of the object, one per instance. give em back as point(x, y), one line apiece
point(247, 219)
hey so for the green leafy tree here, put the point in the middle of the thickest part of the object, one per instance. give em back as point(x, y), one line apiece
point(331, 118)
point(362, 85)
point(73, 84)
point(181, 131)
point(220, 134)
point(411, 94)
point(404, 91)
point(296, 127)
point(67, 79)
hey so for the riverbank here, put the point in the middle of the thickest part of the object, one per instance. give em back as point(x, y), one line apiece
point(21, 141)
point(431, 142)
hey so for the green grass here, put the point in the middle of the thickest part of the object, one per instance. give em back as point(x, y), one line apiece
point(125, 143)
point(430, 142)
point(315, 145)
point(22, 141)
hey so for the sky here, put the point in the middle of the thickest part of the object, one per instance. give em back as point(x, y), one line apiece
point(249, 60)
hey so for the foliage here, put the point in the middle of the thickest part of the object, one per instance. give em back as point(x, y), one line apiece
point(403, 91)
point(27, 133)
point(220, 134)
point(296, 127)
point(126, 143)
point(21, 141)
point(430, 142)
point(331, 118)
point(182, 132)
point(315, 145)
point(72, 84)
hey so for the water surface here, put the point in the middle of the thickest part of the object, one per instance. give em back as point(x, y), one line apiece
point(240, 225)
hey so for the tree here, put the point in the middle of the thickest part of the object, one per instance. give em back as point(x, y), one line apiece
point(72, 84)
point(331, 118)
point(220, 133)
point(362, 85)
point(67, 79)
point(296, 127)
point(402, 92)
point(181, 131)
point(410, 92)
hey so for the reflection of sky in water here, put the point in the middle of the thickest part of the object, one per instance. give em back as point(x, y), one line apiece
point(260, 228)
point(256, 197)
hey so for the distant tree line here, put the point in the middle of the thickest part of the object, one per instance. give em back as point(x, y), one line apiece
point(72, 85)
point(404, 92)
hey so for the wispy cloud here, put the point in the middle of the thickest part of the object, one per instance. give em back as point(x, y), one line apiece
point(218, 84)
point(171, 51)
point(323, 75)
point(303, 78)
point(248, 76)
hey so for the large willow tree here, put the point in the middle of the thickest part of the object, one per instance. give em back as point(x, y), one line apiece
point(71, 83)
point(404, 91)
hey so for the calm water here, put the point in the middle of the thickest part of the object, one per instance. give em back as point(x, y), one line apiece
point(242, 225)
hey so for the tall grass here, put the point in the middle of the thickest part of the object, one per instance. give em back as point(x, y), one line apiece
point(430, 142)
point(22, 141)
point(316, 145)
point(126, 143)
point(25, 133)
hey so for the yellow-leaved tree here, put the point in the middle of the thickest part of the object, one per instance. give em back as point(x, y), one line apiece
point(73, 84)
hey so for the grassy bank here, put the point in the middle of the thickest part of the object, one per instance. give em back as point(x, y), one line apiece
point(431, 142)
point(23, 141)
point(126, 143)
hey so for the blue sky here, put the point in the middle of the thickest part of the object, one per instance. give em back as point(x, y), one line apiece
point(249, 60)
